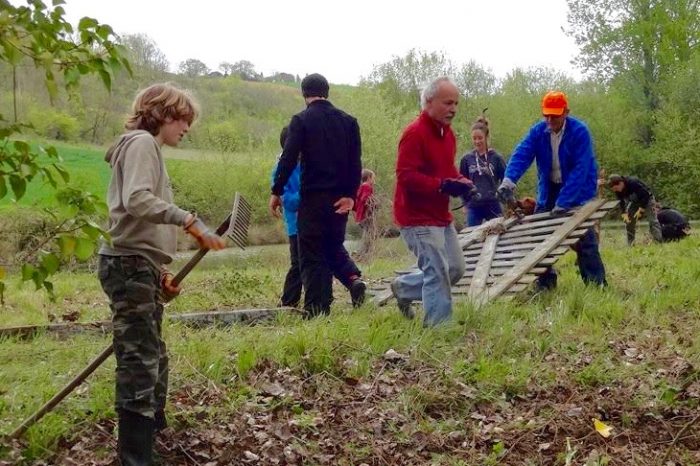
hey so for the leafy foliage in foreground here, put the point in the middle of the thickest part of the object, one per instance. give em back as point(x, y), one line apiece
point(42, 35)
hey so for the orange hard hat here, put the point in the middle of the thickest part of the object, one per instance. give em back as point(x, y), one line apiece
point(554, 103)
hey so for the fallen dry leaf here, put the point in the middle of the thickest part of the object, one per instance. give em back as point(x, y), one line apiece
point(603, 429)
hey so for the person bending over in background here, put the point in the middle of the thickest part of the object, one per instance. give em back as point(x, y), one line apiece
point(674, 225)
point(143, 225)
point(567, 175)
point(426, 177)
point(326, 142)
point(485, 168)
point(636, 201)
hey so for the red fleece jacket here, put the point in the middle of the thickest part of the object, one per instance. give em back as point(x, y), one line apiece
point(426, 156)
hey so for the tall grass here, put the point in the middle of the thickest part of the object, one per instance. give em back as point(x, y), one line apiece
point(502, 350)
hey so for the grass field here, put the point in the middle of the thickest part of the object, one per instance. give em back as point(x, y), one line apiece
point(205, 182)
point(513, 383)
point(89, 171)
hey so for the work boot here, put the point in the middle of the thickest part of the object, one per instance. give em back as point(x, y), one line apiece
point(357, 292)
point(135, 444)
point(403, 304)
point(160, 422)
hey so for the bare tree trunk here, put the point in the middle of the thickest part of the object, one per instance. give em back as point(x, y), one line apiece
point(14, 91)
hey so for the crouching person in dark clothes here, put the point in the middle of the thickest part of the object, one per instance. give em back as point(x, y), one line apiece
point(143, 224)
point(674, 225)
point(326, 142)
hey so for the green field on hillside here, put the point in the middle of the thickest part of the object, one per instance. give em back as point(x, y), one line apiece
point(86, 166)
point(89, 171)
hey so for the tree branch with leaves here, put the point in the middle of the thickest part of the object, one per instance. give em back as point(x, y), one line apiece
point(64, 54)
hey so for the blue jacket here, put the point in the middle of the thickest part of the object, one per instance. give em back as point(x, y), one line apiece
point(290, 198)
point(579, 170)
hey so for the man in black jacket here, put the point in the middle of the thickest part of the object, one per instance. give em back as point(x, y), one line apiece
point(636, 201)
point(327, 143)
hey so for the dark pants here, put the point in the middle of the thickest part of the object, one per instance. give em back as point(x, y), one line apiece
point(590, 264)
point(321, 235)
point(477, 214)
point(654, 225)
point(344, 269)
point(291, 294)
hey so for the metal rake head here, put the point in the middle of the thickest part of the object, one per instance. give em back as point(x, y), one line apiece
point(237, 228)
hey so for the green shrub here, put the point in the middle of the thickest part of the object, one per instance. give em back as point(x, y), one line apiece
point(53, 124)
point(20, 229)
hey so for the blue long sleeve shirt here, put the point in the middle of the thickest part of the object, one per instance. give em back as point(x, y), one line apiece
point(579, 169)
point(290, 198)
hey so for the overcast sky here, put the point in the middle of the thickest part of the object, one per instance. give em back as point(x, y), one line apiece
point(343, 39)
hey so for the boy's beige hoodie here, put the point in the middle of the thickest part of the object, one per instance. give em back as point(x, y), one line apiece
point(142, 217)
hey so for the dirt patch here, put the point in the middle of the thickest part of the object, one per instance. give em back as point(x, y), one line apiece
point(405, 413)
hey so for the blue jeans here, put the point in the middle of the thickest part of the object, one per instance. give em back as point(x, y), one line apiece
point(590, 264)
point(441, 265)
point(476, 215)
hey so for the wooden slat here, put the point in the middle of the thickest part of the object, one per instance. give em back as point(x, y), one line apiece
point(532, 233)
point(553, 222)
point(546, 230)
point(496, 272)
point(526, 247)
point(572, 225)
point(510, 261)
point(540, 239)
point(477, 235)
point(478, 283)
point(546, 262)
point(505, 252)
point(472, 252)
point(516, 288)
point(523, 252)
point(525, 279)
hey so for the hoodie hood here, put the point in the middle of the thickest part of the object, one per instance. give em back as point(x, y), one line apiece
point(113, 152)
point(143, 219)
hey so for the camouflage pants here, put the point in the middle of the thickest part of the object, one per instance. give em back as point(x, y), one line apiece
point(132, 284)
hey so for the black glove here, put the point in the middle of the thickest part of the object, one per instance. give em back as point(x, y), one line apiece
point(558, 211)
point(506, 196)
point(472, 195)
point(455, 188)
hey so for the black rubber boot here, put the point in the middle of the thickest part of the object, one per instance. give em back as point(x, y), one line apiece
point(135, 439)
point(160, 421)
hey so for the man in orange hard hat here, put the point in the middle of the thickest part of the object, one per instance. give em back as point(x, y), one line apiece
point(567, 176)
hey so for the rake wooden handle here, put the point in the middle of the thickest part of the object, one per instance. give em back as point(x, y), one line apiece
point(77, 380)
point(90, 368)
point(194, 260)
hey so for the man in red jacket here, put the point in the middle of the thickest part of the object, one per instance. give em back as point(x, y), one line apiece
point(426, 177)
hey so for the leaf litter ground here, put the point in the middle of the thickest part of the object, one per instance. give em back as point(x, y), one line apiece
point(410, 413)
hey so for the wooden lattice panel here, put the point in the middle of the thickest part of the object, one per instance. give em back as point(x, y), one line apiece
point(505, 256)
